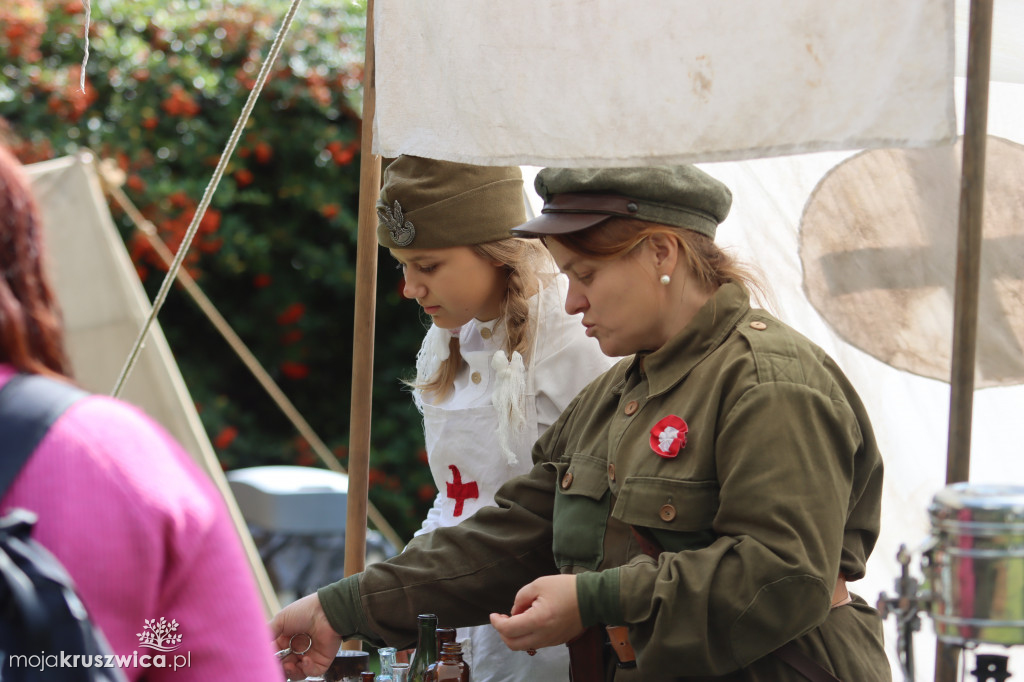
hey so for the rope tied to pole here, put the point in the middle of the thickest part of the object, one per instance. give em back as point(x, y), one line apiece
point(204, 203)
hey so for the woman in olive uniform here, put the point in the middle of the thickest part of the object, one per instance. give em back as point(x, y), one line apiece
point(706, 500)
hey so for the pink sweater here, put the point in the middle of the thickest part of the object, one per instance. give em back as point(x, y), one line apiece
point(145, 535)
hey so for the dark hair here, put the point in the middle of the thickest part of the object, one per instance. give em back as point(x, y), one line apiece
point(31, 336)
point(711, 265)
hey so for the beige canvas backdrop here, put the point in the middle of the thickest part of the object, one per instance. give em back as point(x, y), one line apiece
point(608, 83)
point(104, 308)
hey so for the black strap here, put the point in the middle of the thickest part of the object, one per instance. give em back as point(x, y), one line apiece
point(29, 405)
point(803, 664)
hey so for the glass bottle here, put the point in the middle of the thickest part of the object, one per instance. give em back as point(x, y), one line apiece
point(366, 676)
point(387, 662)
point(451, 667)
point(400, 672)
point(444, 636)
point(426, 646)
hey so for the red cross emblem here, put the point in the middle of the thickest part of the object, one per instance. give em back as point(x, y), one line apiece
point(459, 491)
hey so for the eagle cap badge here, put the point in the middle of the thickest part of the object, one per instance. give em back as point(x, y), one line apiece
point(402, 231)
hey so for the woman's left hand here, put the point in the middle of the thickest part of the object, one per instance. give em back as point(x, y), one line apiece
point(545, 613)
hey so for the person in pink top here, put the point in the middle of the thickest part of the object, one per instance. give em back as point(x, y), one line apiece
point(139, 527)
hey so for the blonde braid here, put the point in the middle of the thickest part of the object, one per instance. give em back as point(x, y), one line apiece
point(515, 313)
point(443, 382)
point(523, 260)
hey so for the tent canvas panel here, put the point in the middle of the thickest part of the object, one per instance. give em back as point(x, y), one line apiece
point(104, 306)
point(597, 83)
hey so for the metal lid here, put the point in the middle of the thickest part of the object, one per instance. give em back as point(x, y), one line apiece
point(979, 503)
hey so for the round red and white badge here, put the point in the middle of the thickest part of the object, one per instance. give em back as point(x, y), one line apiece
point(668, 436)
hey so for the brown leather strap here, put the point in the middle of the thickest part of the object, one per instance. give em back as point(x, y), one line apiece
point(586, 656)
point(803, 664)
point(618, 637)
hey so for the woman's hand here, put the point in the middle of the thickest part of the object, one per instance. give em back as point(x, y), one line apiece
point(545, 613)
point(306, 615)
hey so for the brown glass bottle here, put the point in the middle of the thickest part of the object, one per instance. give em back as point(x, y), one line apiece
point(366, 676)
point(451, 667)
point(445, 636)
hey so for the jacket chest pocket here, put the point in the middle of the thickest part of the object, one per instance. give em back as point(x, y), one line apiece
point(580, 513)
point(678, 513)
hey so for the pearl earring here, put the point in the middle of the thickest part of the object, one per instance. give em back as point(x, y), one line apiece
point(665, 279)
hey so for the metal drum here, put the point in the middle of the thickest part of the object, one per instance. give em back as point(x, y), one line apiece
point(975, 566)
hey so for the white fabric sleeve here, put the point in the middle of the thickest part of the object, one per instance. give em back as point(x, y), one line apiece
point(432, 520)
point(566, 358)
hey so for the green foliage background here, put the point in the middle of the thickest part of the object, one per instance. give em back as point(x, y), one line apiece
point(165, 83)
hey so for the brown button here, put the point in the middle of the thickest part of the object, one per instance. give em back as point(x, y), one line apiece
point(567, 480)
point(758, 325)
point(611, 472)
point(667, 512)
point(631, 407)
point(485, 332)
point(475, 377)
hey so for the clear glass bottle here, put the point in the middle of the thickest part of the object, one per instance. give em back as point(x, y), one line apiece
point(426, 646)
point(400, 672)
point(387, 663)
point(451, 667)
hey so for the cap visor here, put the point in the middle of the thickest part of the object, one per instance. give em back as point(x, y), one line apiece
point(559, 223)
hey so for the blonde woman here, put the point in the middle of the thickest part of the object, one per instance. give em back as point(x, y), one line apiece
point(500, 360)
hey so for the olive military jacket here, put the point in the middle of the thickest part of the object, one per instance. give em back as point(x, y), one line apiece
point(739, 449)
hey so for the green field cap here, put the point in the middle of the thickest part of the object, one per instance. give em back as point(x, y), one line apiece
point(578, 198)
point(430, 204)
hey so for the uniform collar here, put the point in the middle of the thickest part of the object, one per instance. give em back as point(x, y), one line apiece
point(669, 364)
point(477, 335)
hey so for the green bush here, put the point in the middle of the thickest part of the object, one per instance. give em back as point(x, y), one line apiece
point(165, 82)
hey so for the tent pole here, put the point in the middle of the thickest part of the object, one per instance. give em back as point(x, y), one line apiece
point(968, 267)
point(362, 346)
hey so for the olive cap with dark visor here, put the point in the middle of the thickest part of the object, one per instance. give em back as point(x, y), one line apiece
point(578, 198)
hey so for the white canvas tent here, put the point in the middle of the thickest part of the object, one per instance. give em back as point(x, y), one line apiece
point(104, 306)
